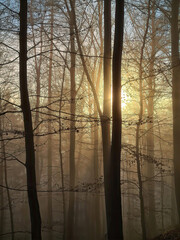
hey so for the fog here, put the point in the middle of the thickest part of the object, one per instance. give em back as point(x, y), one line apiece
point(89, 120)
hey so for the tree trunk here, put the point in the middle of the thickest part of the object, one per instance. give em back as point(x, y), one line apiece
point(71, 210)
point(150, 134)
point(162, 179)
point(176, 97)
point(139, 123)
point(115, 226)
point(5, 175)
point(141, 198)
point(29, 141)
point(49, 167)
point(38, 74)
point(97, 203)
point(7, 190)
point(107, 103)
point(1, 177)
point(61, 157)
point(97, 220)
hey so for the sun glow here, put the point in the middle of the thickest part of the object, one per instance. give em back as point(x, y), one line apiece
point(124, 99)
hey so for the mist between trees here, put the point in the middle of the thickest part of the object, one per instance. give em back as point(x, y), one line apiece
point(89, 119)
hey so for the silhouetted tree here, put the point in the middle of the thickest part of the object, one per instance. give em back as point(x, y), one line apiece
point(29, 142)
point(115, 225)
point(176, 96)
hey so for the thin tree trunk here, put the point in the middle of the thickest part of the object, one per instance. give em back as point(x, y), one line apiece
point(97, 219)
point(162, 179)
point(141, 198)
point(49, 167)
point(36, 122)
point(71, 210)
point(62, 181)
point(1, 177)
point(1, 195)
point(38, 74)
point(60, 154)
point(107, 104)
point(176, 97)
point(8, 192)
point(29, 141)
point(174, 214)
point(97, 224)
point(5, 174)
point(150, 134)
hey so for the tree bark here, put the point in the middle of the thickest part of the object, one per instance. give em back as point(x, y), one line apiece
point(71, 210)
point(97, 210)
point(38, 75)
point(115, 226)
point(105, 123)
point(49, 167)
point(176, 97)
point(4, 174)
point(7, 190)
point(29, 141)
point(1, 176)
point(162, 179)
point(150, 132)
point(138, 164)
point(60, 155)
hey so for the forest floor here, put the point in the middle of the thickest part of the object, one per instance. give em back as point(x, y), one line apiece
point(170, 235)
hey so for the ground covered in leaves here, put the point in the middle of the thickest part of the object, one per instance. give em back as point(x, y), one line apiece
point(170, 235)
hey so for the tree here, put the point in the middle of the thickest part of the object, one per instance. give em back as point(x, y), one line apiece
point(139, 123)
point(71, 209)
point(150, 128)
point(176, 96)
point(29, 142)
point(38, 66)
point(115, 228)
point(49, 153)
point(107, 104)
point(1, 176)
point(4, 175)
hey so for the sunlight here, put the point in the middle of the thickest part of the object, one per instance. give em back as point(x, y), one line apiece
point(123, 99)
